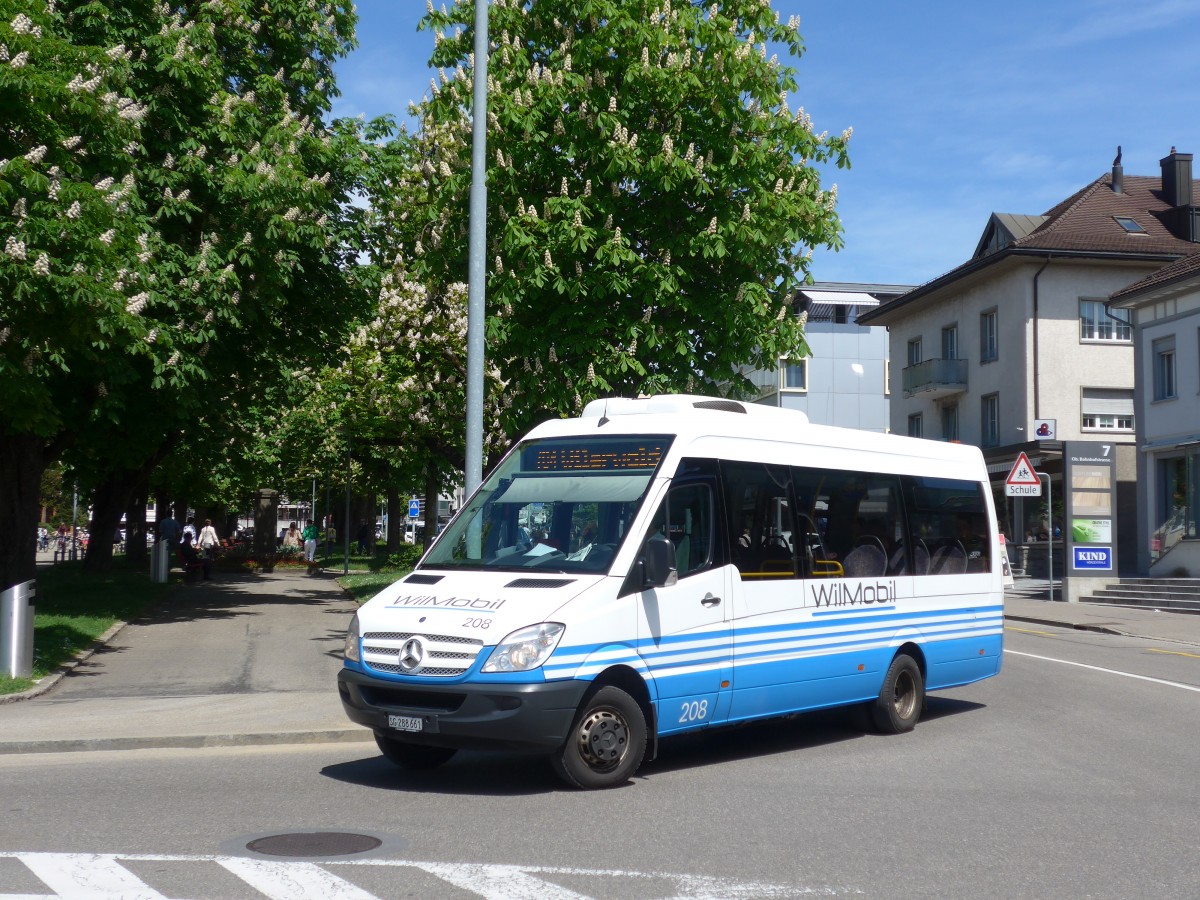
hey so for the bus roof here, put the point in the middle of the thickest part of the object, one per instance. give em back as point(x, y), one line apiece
point(696, 420)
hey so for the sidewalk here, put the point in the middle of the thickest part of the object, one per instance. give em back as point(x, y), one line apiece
point(242, 660)
point(1028, 602)
point(253, 660)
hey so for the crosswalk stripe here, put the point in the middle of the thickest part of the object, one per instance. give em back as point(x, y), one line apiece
point(87, 876)
point(101, 876)
point(494, 882)
point(292, 880)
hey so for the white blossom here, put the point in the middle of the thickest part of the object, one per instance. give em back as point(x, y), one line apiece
point(72, 142)
point(107, 237)
point(74, 211)
point(137, 303)
point(37, 154)
point(20, 59)
point(42, 265)
point(14, 247)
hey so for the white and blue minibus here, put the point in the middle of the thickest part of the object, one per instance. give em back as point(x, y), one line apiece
point(675, 563)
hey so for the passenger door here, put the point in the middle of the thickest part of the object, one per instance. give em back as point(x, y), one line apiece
point(683, 627)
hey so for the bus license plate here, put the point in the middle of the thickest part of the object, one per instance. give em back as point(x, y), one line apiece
point(404, 723)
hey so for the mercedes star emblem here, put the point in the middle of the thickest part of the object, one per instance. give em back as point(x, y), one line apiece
point(412, 654)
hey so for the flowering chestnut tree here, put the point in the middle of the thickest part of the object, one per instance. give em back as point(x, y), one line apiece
point(178, 224)
point(653, 196)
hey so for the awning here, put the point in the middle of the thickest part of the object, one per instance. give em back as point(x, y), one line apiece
point(840, 298)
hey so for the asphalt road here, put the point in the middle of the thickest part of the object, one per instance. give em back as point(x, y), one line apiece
point(1071, 775)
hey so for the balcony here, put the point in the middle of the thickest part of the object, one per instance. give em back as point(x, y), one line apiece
point(934, 378)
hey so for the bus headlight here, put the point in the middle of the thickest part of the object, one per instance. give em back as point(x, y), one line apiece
point(350, 651)
point(526, 648)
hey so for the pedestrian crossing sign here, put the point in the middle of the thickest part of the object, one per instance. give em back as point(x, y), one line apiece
point(1022, 481)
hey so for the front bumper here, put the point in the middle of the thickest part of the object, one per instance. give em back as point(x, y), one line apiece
point(528, 717)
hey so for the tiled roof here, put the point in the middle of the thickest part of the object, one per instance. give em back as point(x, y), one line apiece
point(1180, 270)
point(1081, 225)
point(1085, 221)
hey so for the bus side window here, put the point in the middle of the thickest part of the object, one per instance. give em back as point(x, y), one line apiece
point(761, 531)
point(686, 518)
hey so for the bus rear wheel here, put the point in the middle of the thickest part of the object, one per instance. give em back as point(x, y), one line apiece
point(418, 757)
point(901, 698)
point(606, 743)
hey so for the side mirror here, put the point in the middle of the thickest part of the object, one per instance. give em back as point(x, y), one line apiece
point(658, 559)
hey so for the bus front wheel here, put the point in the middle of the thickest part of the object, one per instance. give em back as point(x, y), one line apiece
point(606, 743)
point(901, 699)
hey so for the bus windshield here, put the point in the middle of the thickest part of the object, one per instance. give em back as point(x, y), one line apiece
point(557, 504)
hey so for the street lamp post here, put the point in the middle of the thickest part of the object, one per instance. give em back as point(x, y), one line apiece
point(477, 247)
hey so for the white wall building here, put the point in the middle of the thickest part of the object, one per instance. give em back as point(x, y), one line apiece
point(1166, 318)
point(844, 379)
point(1021, 332)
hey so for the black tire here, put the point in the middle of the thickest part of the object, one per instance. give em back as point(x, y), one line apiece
point(418, 757)
point(606, 743)
point(901, 699)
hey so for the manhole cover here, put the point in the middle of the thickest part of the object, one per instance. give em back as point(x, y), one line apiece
point(314, 843)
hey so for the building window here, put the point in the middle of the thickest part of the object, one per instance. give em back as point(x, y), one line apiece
point(1104, 422)
point(1164, 368)
point(1096, 323)
point(1130, 225)
point(989, 423)
point(914, 351)
point(1106, 409)
point(794, 373)
point(950, 422)
point(989, 349)
point(950, 342)
point(915, 426)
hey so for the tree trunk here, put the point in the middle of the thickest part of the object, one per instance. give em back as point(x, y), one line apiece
point(431, 505)
point(22, 460)
point(395, 520)
point(135, 528)
point(109, 500)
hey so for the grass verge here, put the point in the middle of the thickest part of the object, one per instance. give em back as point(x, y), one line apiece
point(362, 586)
point(72, 608)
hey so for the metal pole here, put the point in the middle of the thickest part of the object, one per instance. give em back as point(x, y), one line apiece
point(1049, 529)
point(312, 512)
point(75, 521)
point(477, 248)
point(346, 536)
point(328, 513)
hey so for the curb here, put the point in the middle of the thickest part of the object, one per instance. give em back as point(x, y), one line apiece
point(49, 681)
point(1095, 629)
point(189, 741)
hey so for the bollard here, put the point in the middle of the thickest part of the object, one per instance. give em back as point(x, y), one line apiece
point(16, 630)
point(160, 561)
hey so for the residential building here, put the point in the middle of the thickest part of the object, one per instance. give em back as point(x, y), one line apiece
point(843, 380)
point(1021, 332)
point(1165, 310)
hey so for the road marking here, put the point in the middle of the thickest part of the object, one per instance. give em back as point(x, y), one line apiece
point(292, 880)
point(1175, 653)
point(101, 876)
point(1029, 631)
point(87, 876)
point(1067, 662)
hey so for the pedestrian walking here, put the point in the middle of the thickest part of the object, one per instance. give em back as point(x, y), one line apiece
point(310, 541)
point(208, 539)
point(169, 530)
point(365, 533)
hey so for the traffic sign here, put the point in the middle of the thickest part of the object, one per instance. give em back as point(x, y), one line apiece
point(1022, 481)
point(414, 508)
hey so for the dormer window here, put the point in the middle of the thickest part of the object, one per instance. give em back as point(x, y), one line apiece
point(1130, 225)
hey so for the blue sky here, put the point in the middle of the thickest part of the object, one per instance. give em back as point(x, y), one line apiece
point(959, 108)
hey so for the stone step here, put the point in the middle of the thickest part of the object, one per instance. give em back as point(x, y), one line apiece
point(1149, 590)
point(1146, 601)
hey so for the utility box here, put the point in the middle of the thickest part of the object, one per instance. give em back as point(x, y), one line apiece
point(16, 630)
